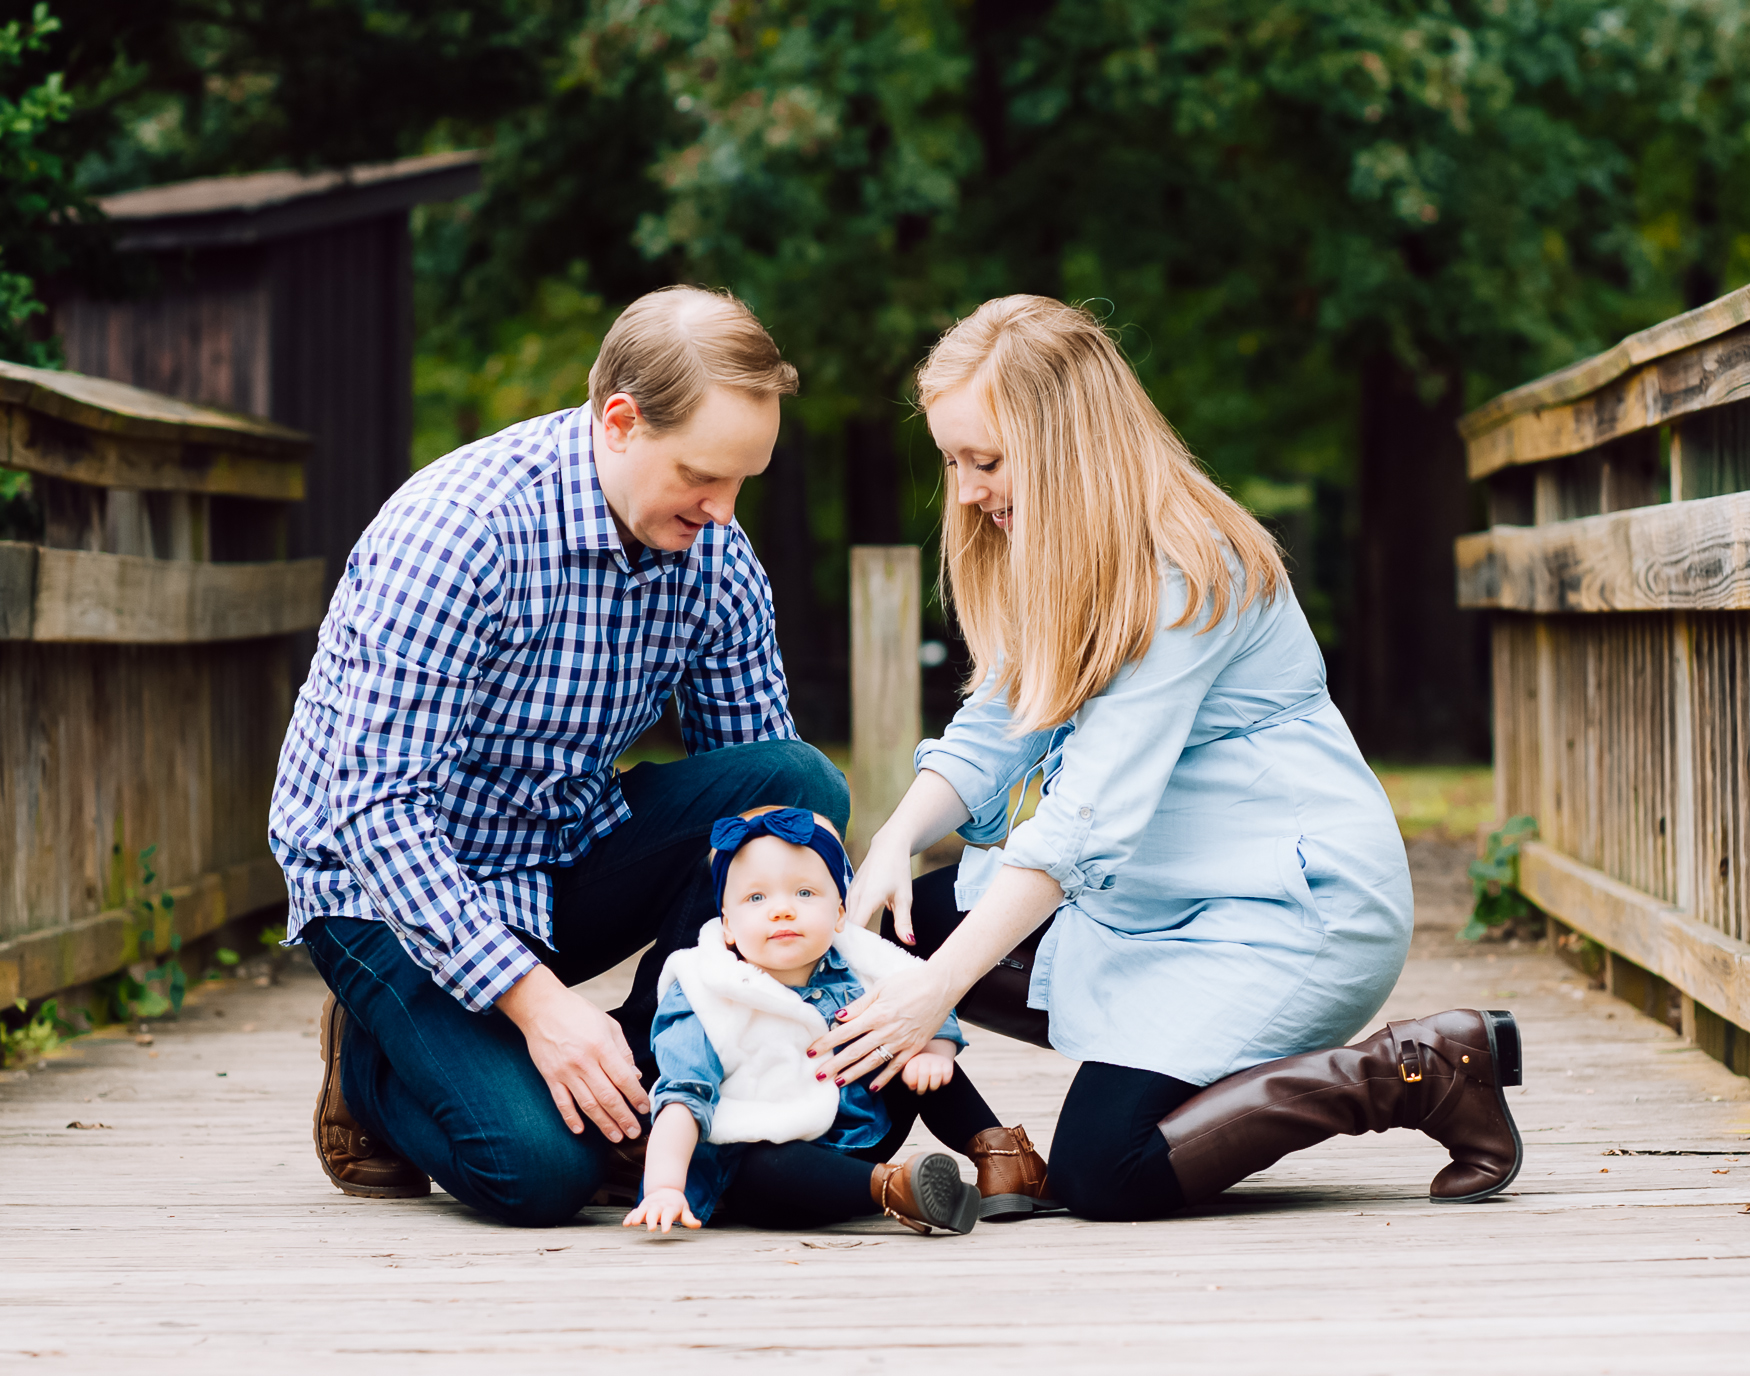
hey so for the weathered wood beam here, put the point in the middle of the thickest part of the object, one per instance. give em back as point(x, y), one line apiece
point(17, 589)
point(41, 963)
point(1704, 375)
point(1709, 966)
point(1684, 556)
point(116, 408)
point(126, 600)
point(1590, 374)
point(886, 684)
point(42, 444)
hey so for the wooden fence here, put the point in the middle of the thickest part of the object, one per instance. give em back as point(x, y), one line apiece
point(1618, 569)
point(145, 682)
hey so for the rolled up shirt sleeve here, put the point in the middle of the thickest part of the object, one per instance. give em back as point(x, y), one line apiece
point(418, 629)
point(1126, 742)
point(688, 1071)
point(982, 760)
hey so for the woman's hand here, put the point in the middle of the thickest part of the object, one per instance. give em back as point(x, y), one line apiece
point(662, 1209)
point(928, 1070)
point(928, 812)
point(883, 881)
point(901, 1014)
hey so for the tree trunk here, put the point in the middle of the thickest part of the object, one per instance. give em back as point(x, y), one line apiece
point(871, 480)
point(786, 549)
point(1417, 666)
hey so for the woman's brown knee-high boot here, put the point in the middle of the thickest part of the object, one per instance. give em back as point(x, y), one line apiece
point(1443, 1074)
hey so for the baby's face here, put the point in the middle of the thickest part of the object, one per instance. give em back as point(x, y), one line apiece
point(780, 907)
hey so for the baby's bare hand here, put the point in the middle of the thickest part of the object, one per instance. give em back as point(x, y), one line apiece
point(662, 1209)
point(927, 1071)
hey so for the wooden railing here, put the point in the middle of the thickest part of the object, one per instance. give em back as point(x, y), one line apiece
point(145, 674)
point(1617, 565)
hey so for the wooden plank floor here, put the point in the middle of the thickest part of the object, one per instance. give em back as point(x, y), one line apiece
point(194, 1232)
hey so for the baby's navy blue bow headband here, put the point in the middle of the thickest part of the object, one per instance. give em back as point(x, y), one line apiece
point(793, 824)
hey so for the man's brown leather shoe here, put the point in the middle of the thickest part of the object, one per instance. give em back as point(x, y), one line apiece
point(1011, 1174)
point(355, 1163)
point(926, 1192)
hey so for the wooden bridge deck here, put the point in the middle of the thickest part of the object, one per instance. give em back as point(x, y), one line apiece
point(193, 1232)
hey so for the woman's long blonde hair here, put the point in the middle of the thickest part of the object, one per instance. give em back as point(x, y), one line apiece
point(1103, 490)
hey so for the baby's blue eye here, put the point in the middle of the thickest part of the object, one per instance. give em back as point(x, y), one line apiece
point(805, 893)
point(754, 898)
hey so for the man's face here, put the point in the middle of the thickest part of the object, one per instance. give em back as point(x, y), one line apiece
point(664, 488)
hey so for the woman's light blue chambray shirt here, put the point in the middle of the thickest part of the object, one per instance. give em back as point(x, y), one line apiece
point(688, 1072)
point(1235, 888)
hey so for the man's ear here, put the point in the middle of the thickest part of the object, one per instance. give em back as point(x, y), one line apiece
point(620, 414)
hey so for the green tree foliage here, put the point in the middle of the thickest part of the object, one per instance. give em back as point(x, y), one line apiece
point(1323, 227)
point(39, 191)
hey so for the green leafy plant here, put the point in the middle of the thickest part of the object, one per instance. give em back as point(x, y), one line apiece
point(1495, 880)
point(131, 996)
point(41, 1034)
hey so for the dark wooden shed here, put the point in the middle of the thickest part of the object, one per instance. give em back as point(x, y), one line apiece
point(287, 295)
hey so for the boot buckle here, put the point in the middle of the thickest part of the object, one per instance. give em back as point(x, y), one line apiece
point(1409, 1063)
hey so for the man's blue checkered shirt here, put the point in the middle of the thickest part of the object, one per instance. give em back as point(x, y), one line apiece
point(488, 655)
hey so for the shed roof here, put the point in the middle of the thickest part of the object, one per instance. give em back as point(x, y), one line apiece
point(119, 409)
point(226, 211)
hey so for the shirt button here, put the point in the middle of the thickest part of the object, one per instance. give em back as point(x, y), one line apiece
point(1086, 813)
point(814, 994)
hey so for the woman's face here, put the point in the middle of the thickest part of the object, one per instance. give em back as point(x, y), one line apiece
point(975, 464)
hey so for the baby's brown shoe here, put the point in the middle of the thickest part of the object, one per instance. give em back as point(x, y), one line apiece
point(926, 1192)
point(349, 1156)
point(1011, 1174)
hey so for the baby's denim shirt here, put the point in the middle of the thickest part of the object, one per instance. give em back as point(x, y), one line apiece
point(689, 1073)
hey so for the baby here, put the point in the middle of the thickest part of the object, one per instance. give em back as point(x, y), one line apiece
point(742, 1118)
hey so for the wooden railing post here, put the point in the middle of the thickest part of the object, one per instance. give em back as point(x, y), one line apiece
point(886, 708)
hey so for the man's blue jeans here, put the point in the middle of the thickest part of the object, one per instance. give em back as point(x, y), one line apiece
point(454, 1092)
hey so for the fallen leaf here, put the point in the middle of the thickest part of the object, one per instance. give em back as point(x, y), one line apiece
point(144, 1039)
point(86, 1127)
point(1604, 1170)
point(1722, 1172)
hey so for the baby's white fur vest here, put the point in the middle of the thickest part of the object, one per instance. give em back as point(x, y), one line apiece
point(761, 1029)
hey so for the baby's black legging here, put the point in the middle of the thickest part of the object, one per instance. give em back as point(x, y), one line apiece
point(806, 1185)
point(1108, 1159)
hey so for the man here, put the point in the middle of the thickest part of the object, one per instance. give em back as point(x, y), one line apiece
point(458, 847)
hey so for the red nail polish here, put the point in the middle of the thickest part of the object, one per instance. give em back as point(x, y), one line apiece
point(841, 1015)
point(811, 1053)
point(821, 1076)
point(839, 1083)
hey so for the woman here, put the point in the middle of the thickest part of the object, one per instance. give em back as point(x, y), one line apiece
point(1222, 874)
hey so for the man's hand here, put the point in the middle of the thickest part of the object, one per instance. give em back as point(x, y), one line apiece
point(581, 1054)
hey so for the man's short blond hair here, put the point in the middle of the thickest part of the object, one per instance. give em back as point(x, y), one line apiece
point(669, 346)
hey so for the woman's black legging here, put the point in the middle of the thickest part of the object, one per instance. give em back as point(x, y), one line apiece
point(805, 1185)
point(1108, 1159)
